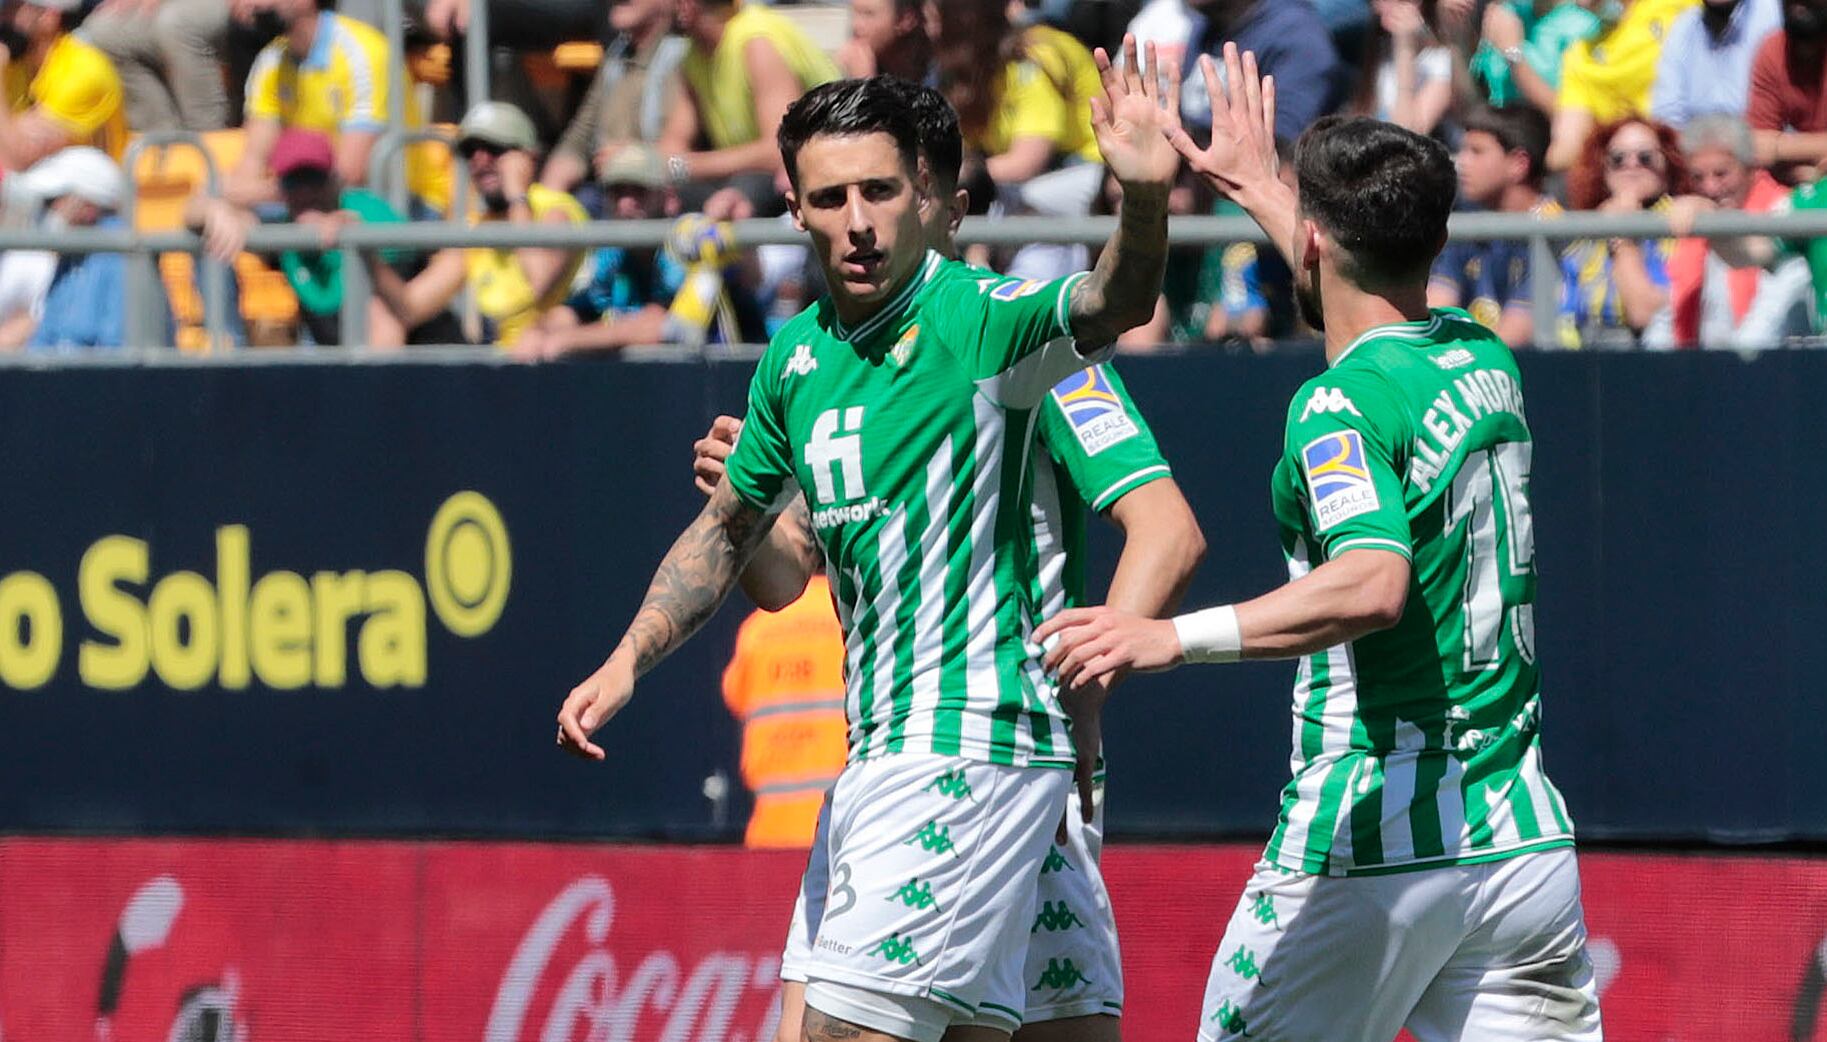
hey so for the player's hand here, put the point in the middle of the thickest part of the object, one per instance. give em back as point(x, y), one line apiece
point(591, 704)
point(1084, 706)
point(1133, 119)
point(1241, 155)
point(1097, 642)
point(711, 452)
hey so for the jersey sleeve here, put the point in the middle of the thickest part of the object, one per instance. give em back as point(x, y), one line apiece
point(760, 470)
point(1014, 336)
point(1092, 427)
point(82, 95)
point(366, 106)
point(1344, 431)
point(262, 91)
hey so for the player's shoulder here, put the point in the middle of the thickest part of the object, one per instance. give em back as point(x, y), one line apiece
point(802, 335)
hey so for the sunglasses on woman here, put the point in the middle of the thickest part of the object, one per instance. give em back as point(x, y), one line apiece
point(1619, 159)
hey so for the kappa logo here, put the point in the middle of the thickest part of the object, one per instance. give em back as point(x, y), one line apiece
point(802, 363)
point(1338, 479)
point(1328, 399)
point(1094, 410)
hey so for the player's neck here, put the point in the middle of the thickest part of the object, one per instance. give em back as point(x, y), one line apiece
point(1351, 312)
point(853, 312)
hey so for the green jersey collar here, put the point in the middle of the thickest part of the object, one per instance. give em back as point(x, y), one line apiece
point(890, 311)
point(1420, 329)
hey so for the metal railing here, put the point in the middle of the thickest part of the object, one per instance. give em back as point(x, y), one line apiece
point(1544, 234)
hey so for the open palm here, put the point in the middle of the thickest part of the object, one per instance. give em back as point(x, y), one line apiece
point(1134, 118)
point(1242, 150)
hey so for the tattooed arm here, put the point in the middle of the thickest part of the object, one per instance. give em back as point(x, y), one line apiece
point(1132, 121)
point(692, 581)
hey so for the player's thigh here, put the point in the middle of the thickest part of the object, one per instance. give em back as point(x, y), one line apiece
point(933, 869)
point(1097, 1027)
point(1073, 968)
point(809, 905)
point(1523, 973)
point(792, 1011)
point(1342, 959)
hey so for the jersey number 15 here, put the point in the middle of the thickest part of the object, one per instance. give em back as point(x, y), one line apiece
point(1494, 482)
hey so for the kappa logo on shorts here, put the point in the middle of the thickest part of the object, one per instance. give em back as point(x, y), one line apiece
point(1243, 961)
point(896, 949)
point(1055, 916)
point(1093, 410)
point(1055, 862)
point(1229, 1018)
point(933, 838)
point(916, 894)
point(952, 784)
point(1059, 975)
point(1338, 479)
point(1264, 911)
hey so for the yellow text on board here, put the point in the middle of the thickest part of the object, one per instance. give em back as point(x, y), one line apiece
point(282, 629)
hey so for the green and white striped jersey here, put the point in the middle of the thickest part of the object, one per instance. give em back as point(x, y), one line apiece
point(910, 437)
point(1419, 745)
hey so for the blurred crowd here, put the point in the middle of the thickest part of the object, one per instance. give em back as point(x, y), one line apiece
point(667, 109)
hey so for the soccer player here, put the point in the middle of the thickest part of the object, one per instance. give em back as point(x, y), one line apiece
point(901, 408)
point(1422, 872)
point(1097, 452)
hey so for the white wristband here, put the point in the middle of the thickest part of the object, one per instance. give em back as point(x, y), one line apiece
point(1211, 635)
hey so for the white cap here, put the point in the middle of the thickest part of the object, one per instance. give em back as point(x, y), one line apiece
point(84, 172)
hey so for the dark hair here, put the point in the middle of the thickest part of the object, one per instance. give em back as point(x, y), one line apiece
point(976, 43)
point(1586, 177)
point(941, 143)
point(1517, 128)
point(848, 108)
point(1381, 192)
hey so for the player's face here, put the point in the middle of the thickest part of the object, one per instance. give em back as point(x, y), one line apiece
point(865, 211)
point(1484, 168)
point(1719, 176)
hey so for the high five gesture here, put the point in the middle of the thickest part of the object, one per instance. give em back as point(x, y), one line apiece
point(1240, 160)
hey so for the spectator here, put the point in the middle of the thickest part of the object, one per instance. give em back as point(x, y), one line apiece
point(170, 55)
point(1502, 161)
point(1168, 24)
point(746, 64)
point(886, 36)
point(85, 305)
point(1787, 109)
point(60, 91)
point(1706, 60)
point(1523, 42)
point(1743, 299)
point(1291, 44)
point(332, 74)
point(1408, 77)
point(1609, 76)
point(512, 287)
point(304, 165)
point(1024, 104)
point(625, 301)
point(1617, 293)
point(636, 88)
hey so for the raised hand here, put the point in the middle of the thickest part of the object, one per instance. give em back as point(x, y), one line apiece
point(1133, 119)
point(1241, 156)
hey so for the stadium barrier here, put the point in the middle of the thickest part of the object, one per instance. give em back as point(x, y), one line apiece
point(300, 941)
point(1543, 234)
point(347, 600)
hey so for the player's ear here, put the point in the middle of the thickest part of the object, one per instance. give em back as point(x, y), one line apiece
point(799, 222)
point(1311, 244)
point(961, 205)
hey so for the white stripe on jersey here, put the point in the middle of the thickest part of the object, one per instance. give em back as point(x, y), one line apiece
point(1399, 791)
point(929, 610)
point(891, 553)
point(982, 686)
point(1049, 542)
point(1450, 798)
point(1535, 782)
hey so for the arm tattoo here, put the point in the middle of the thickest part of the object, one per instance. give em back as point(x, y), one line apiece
point(1121, 291)
point(820, 1027)
point(695, 576)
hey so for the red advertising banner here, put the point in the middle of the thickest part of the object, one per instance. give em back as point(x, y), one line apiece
point(289, 941)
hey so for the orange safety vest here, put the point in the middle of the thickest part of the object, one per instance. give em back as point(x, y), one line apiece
point(786, 684)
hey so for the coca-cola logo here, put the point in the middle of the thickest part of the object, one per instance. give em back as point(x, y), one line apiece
point(591, 1001)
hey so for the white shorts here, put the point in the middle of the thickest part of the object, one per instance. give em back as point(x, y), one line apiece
point(931, 865)
point(1073, 967)
point(1494, 952)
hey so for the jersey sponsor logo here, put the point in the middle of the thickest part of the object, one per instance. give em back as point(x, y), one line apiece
point(1457, 358)
point(1338, 479)
point(1096, 415)
point(1017, 289)
point(802, 363)
point(849, 513)
point(1328, 399)
point(835, 452)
